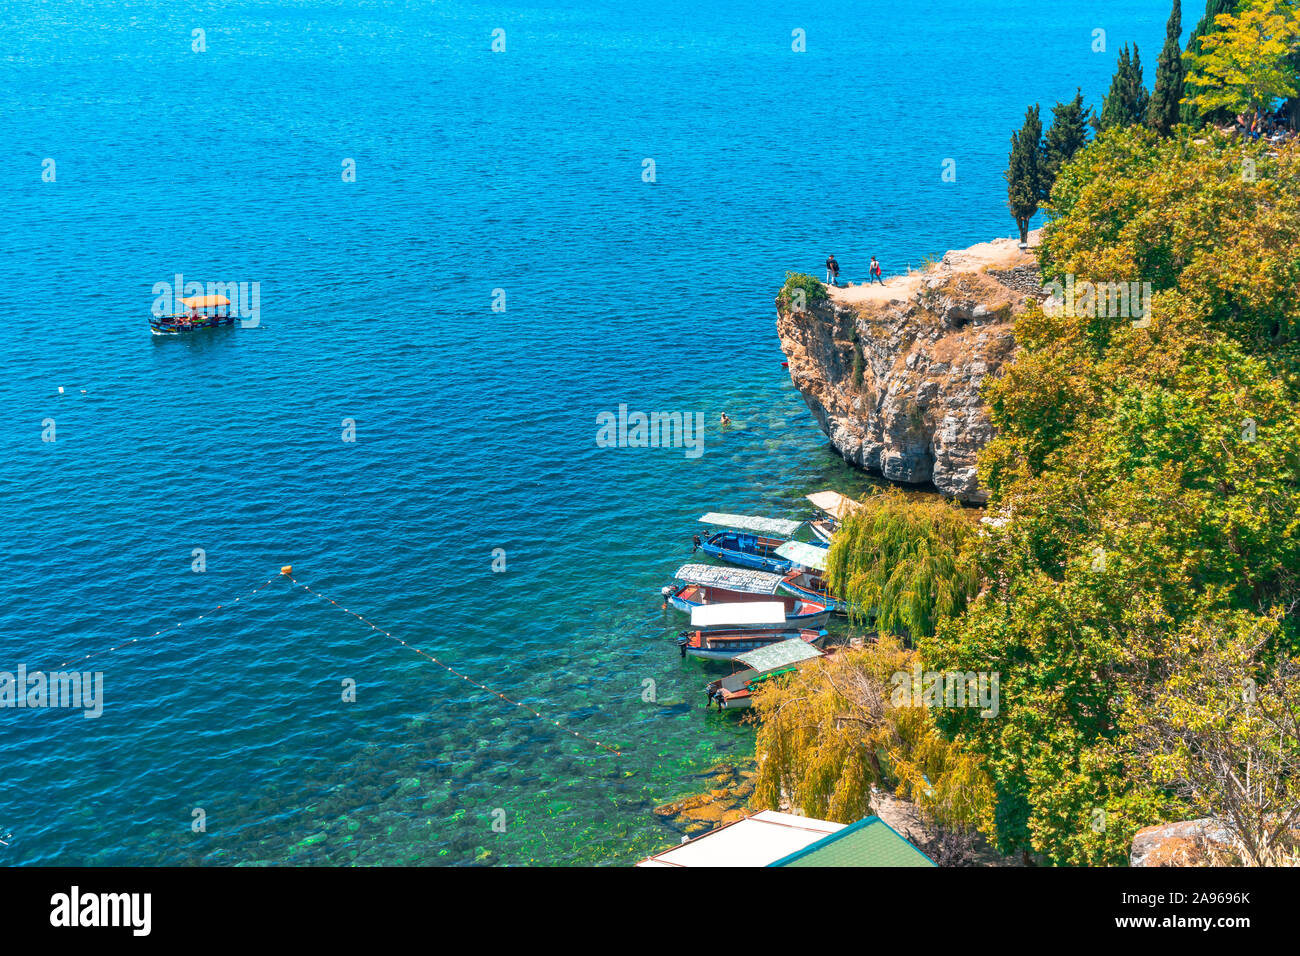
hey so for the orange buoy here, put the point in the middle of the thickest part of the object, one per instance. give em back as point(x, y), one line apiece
point(287, 570)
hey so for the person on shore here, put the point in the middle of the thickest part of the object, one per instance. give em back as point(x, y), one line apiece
point(875, 272)
point(832, 270)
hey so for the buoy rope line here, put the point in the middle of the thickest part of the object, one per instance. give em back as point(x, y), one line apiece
point(447, 667)
point(176, 626)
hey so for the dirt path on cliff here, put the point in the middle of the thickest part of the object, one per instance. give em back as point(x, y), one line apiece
point(999, 254)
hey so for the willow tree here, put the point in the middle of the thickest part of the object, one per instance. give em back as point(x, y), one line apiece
point(904, 563)
point(830, 732)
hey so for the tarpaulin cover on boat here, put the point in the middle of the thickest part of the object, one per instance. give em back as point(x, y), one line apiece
point(804, 555)
point(834, 503)
point(777, 526)
point(743, 614)
point(204, 301)
point(783, 654)
point(745, 580)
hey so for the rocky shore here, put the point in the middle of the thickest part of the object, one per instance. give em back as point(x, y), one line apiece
point(893, 373)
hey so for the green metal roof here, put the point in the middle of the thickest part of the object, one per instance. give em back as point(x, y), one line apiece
point(869, 842)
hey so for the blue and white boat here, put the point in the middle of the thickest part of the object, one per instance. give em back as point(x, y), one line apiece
point(748, 541)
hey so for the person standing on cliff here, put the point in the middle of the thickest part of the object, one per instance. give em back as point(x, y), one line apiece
point(875, 272)
point(832, 270)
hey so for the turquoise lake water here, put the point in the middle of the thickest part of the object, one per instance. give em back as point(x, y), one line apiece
point(475, 430)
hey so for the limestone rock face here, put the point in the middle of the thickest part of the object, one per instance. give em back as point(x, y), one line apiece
point(893, 373)
point(1185, 843)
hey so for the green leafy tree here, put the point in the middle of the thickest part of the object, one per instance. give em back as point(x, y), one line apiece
point(1248, 63)
point(1188, 113)
point(800, 290)
point(1027, 183)
point(1126, 103)
point(1152, 478)
point(1166, 98)
point(1222, 731)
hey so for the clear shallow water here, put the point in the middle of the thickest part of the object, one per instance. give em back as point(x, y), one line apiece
point(475, 429)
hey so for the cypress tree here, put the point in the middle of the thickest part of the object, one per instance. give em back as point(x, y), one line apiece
point(1164, 111)
point(1025, 171)
point(1206, 26)
point(1067, 135)
point(1126, 103)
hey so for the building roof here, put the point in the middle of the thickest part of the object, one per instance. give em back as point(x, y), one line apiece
point(757, 840)
point(869, 842)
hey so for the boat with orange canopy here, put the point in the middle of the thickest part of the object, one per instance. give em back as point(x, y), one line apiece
point(205, 312)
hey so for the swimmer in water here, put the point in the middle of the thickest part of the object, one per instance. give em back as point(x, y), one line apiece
point(725, 419)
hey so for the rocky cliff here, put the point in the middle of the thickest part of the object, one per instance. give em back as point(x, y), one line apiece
point(893, 373)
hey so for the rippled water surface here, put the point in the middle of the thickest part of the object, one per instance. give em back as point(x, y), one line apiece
point(475, 430)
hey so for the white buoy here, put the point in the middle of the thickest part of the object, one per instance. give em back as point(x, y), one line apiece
point(60, 389)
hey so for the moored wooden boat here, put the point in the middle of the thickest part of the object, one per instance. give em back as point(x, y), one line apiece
point(712, 584)
point(807, 576)
point(755, 667)
point(832, 508)
point(749, 541)
point(723, 631)
point(205, 312)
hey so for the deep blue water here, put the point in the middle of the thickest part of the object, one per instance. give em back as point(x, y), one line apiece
point(475, 429)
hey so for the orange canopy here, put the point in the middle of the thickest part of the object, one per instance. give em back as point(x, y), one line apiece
point(204, 301)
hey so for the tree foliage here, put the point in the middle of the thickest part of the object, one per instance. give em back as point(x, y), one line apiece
point(828, 733)
point(1228, 747)
point(1126, 103)
point(903, 563)
point(1152, 475)
point(1248, 62)
point(1027, 183)
point(1204, 27)
point(1166, 98)
point(1067, 135)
